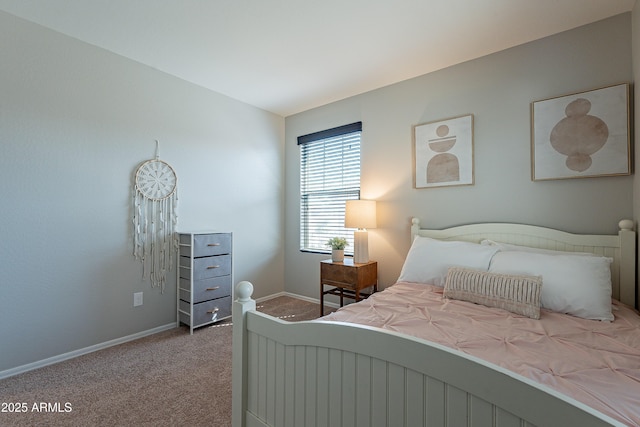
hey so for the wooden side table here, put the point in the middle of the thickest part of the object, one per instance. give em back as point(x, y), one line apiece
point(347, 279)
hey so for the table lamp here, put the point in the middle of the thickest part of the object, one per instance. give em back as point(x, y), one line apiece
point(360, 214)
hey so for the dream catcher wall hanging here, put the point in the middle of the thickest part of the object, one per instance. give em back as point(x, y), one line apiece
point(155, 202)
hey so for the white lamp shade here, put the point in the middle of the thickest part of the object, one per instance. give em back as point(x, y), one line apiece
point(360, 214)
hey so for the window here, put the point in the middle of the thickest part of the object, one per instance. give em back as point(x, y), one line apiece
point(329, 175)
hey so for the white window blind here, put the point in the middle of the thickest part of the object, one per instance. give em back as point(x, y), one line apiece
point(329, 175)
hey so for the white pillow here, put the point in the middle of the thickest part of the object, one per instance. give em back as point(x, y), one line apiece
point(512, 247)
point(429, 259)
point(576, 285)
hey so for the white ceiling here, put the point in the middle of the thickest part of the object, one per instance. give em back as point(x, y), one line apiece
point(288, 56)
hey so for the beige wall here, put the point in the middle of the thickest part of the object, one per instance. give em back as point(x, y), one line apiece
point(75, 121)
point(497, 90)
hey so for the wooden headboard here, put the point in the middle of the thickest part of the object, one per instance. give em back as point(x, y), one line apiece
point(621, 247)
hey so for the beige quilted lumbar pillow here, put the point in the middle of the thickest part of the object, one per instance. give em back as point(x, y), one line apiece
point(517, 294)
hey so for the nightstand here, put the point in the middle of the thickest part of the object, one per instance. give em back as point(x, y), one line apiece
point(347, 279)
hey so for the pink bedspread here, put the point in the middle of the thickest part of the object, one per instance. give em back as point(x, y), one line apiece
point(597, 363)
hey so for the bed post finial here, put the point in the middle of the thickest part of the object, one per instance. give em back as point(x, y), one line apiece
point(626, 224)
point(415, 227)
point(244, 290)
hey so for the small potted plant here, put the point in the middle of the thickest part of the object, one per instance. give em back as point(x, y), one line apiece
point(337, 245)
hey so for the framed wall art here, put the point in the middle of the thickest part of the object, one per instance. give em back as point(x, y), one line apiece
point(443, 153)
point(581, 135)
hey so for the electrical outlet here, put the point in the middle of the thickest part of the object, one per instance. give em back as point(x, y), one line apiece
point(137, 299)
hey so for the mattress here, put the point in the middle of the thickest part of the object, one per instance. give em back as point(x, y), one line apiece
point(594, 362)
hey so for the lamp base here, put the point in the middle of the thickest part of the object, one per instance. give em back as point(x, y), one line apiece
point(360, 246)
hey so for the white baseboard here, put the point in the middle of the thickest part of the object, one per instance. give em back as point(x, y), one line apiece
point(70, 355)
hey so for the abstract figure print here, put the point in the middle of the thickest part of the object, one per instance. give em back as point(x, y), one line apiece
point(581, 135)
point(444, 153)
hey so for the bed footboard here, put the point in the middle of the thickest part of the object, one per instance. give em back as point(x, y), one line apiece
point(337, 374)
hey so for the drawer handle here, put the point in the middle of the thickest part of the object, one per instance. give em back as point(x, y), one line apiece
point(213, 289)
point(213, 266)
point(215, 310)
point(213, 244)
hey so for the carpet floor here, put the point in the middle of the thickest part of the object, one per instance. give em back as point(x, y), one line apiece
point(170, 378)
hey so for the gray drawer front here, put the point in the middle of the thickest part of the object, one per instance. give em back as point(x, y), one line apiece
point(214, 266)
point(206, 289)
point(204, 312)
point(211, 244)
point(207, 267)
point(205, 244)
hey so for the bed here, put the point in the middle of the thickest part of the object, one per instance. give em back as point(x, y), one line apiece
point(333, 372)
